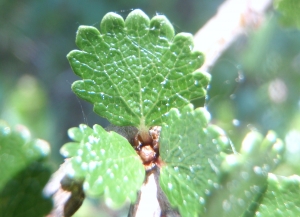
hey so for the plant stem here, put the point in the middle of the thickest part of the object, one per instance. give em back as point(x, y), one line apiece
point(152, 201)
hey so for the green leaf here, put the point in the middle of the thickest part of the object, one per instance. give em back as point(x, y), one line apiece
point(136, 70)
point(18, 150)
point(281, 198)
point(192, 152)
point(289, 10)
point(108, 163)
point(23, 173)
point(244, 178)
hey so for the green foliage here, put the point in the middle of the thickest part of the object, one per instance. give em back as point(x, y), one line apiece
point(107, 163)
point(290, 12)
point(18, 150)
point(136, 72)
point(244, 176)
point(28, 89)
point(138, 67)
point(23, 173)
point(40, 27)
point(281, 198)
point(192, 152)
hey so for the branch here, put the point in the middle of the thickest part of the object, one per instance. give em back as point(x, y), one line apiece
point(152, 201)
point(67, 193)
point(234, 18)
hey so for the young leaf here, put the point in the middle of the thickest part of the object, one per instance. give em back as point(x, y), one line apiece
point(23, 173)
point(192, 153)
point(281, 198)
point(136, 70)
point(244, 179)
point(107, 162)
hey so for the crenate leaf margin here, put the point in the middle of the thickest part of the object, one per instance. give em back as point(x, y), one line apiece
point(151, 69)
point(107, 163)
point(192, 158)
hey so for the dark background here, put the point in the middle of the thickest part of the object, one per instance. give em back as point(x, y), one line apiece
point(255, 84)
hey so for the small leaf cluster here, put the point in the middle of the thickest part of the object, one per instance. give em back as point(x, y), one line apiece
point(137, 72)
point(134, 72)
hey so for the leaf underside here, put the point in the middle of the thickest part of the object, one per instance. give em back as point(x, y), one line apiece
point(136, 70)
point(107, 163)
point(192, 153)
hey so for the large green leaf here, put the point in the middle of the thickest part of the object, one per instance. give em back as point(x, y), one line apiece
point(23, 173)
point(192, 152)
point(107, 163)
point(244, 179)
point(136, 70)
point(282, 197)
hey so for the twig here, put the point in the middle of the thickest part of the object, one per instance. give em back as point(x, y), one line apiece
point(152, 201)
point(233, 18)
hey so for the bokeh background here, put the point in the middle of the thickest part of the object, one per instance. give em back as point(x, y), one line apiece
point(255, 84)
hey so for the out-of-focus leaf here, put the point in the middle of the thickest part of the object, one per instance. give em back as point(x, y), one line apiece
point(192, 152)
point(244, 178)
point(22, 195)
point(281, 198)
point(23, 173)
point(18, 150)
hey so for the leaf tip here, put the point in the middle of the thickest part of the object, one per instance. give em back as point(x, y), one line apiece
point(137, 13)
point(43, 146)
point(251, 142)
point(112, 23)
point(137, 22)
point(160, 25)
point(85, 35)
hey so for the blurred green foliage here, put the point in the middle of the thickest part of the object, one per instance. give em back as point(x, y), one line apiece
point(24, 173)
point(255, 84)
point(289, 10)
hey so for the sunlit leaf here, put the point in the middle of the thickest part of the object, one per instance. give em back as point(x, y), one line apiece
point(136, 70)
point(107, 163)
point(192, 152)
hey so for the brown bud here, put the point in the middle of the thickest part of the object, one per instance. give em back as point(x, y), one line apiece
point(147, 154)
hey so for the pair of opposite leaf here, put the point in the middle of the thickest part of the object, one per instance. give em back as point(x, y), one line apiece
point(137, 73)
